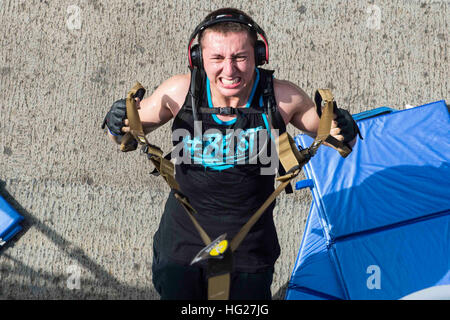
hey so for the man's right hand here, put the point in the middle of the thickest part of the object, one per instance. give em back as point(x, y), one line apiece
point(115, 118)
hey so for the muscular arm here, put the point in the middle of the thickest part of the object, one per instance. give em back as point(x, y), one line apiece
point(162, 105)
point(298, 109)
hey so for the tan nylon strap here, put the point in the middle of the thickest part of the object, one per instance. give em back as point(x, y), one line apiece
point(327, 115)
point(127, 143)
point(164, 166)
point(166, 169)
point(326, 94)
point(190, 211)
point(291, 159)
point(288, 153)
point(289, 156)
point(219, 287)
point(155, 151)
point(234, 244)
point(136, 128)
point(323, 133)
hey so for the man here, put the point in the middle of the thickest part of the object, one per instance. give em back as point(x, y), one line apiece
point(225, 191)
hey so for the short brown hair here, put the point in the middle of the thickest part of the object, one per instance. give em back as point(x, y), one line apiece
point(225, 27)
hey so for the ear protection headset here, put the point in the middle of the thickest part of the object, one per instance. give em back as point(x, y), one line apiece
point(261, 47)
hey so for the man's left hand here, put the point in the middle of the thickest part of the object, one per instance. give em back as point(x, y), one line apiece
point(344, 128)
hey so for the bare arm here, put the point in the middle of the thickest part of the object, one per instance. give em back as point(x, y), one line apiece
point(298, 109)
point(162, 105)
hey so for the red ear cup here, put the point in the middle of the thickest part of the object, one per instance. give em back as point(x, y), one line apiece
point(260, 53)
point(196, 56)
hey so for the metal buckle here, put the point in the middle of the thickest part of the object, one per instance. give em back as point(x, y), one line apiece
point(214, 250)
point(145, 149)
point(226, 111)
point(292, 170)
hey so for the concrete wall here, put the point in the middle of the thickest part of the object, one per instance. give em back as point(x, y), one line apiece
point(93, 210)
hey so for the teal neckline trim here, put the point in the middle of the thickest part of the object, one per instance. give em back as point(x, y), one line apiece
point(249, 102)
point(264, 116)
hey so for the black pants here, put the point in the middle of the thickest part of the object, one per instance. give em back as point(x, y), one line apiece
point(178, 282)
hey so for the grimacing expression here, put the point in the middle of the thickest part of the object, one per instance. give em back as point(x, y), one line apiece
point(229, 62)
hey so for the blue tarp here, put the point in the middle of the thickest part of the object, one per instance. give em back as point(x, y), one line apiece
point(9, 221)
point(379, 224)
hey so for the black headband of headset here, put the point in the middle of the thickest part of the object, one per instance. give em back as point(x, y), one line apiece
point(228, 17)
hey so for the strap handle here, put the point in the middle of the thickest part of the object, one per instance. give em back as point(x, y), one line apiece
point(234, 244)
point(163, 165)
point(325, 109)
point(274, 117)
point(293, 160)
point(136, 132)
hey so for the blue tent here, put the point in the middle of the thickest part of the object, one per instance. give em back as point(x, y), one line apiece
point(9, 221)
point(379, 223)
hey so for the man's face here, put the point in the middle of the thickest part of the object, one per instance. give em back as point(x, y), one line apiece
point(229, 62)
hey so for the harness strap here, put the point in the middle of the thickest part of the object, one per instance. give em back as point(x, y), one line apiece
point(234, 244)
point(218, 274)
point(136, 129)
point(163, 165)
point(190, 211)
point(291, 158)
point(228, 110)
point(327, 113)
point(275, 119)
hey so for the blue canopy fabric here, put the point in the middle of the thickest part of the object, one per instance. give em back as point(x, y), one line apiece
point(379, 224)
point(9, 221)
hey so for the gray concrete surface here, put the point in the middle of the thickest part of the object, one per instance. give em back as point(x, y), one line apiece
point(91, 210)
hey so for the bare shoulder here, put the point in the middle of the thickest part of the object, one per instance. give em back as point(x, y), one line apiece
point(180, 80)
point(172, 92)
point(165, 102)
point(291, 99)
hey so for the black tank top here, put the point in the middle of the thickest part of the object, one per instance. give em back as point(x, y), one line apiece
point(227, 173)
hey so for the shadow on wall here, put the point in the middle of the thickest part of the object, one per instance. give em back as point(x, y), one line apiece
point(43, 285)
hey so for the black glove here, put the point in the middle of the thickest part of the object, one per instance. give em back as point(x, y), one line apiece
point(348, 126)
point(115, 117)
